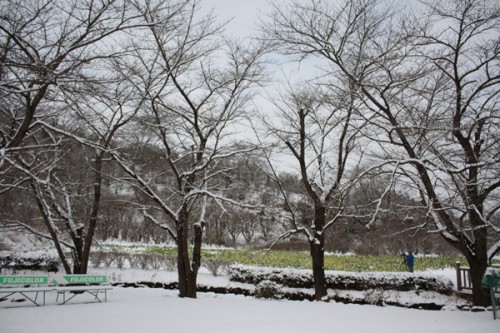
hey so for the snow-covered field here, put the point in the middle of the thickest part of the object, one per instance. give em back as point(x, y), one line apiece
point(148, 310)
point(158, 310)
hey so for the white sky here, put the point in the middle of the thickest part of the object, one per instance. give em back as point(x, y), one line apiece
point(244, 16)
point(245, 13)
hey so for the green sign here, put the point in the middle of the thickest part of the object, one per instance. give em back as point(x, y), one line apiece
point(19, 279)
point(79, 279)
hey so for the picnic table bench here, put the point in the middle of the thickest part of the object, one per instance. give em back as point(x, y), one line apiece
point(62, 285)
point(25, 285)
point(80, 284)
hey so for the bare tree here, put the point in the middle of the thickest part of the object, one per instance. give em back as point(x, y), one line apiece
point(197, 87)
point(49, 46)
point(320, 134)
point(464, 154)
point(68, 182)
point(433, 83)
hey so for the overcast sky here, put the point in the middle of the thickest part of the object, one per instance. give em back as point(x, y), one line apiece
point(244, 16)
point(244, 13)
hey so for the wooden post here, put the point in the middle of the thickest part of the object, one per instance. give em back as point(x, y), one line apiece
point(459, 276)
point(493, 302)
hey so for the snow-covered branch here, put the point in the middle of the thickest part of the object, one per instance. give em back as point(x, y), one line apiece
point(164, 226)
point(493, 250)
point(30, 229)
point(289, 233)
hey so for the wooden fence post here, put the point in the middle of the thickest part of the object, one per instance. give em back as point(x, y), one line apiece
point(459, 276)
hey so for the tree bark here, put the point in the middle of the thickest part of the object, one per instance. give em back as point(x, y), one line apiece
point(94, 212)
point(78, 251)
point(318, 263)
point(318, 253)
point(187, 275)
point(477, 257)
point(480, 295)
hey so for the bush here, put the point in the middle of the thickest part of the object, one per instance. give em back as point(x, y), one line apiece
point(40, 261)
point(343, 280)
point(216, 266)
point(153, 261)
point(97, 258)
point(268, 290)
point(170, 263)
point(120, 259)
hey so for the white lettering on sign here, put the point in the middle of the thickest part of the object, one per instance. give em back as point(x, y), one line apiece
point(86, 279)
point(23, 280)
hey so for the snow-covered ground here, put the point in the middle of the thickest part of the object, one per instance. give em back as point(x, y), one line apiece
point(158, 310)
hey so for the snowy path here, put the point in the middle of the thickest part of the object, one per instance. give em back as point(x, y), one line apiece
point(156, 310)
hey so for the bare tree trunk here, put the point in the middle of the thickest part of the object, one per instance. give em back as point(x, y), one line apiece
point(94, 212)
point(195, 266)
point(78, 251)
point(187, 276)
point(318, 253)
point(318, 263)
point(480, 295)
point(198, 237)
point(478, 262)
point(187, 269)
point(182, 260)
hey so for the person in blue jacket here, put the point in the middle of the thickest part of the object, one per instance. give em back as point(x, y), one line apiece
point(410, 261)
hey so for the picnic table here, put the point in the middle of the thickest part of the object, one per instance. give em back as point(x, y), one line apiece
point(75, 285)
point(27, 286)
point(67, 286)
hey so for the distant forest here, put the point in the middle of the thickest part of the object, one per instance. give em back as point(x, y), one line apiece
point(257, 225)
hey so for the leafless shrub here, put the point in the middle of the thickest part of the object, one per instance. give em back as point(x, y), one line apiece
point(119, 259)
point(156, 261)
point(152, 261)
point(134, 260)
point(170, 263)
point(97, 258)
point(216, 266)
point(144, 261)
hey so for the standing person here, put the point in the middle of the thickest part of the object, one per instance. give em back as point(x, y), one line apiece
point(410, 260)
